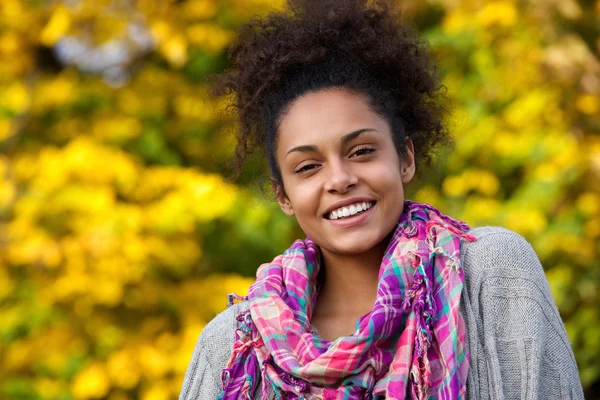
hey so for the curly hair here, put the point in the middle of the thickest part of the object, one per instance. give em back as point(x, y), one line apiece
point(358, 45)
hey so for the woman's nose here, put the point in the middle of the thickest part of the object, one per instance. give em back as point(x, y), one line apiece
point(340, 178)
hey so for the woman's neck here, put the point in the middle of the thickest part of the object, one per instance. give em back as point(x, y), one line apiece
point(349, 285)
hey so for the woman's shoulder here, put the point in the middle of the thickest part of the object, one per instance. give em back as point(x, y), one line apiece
point(219, 333)
point(501, 263)
point(498, 251)
point(505, 281)
point(496, 236)
point(217, 337)
point(211, 354)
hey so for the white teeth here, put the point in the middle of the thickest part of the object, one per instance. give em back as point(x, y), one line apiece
point(352, 210)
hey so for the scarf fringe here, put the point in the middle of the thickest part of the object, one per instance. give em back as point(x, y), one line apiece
point(242, 349)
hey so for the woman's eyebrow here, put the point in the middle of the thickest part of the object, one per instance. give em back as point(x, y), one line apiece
point(353, 135)
point(307, 148)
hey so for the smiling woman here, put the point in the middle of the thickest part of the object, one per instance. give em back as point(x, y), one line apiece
point(326, 171)
point(385, 298)
point(335, 169)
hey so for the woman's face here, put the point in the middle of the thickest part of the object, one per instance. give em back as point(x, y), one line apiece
point(341, 172)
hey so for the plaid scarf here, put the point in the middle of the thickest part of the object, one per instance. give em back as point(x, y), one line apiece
point(412, 343)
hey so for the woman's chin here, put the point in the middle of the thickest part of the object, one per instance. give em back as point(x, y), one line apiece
point(353, 246)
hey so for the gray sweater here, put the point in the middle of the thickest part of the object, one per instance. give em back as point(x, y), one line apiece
point(518, 344)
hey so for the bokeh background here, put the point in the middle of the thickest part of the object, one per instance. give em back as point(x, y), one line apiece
point(119, 239)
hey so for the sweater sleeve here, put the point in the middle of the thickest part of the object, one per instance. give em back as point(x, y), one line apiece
point(203, 376)
point(521, 348)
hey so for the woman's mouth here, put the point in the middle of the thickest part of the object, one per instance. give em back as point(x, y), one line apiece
point(350, 211)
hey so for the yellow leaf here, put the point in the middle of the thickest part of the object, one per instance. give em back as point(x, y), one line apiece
point(429, 195)
point(200, 9)
point(57, 27)
point(107, 291)
point(480, 210)
point(158, 391)
point(501, 13)
point(592, 228)
point(560, 278)
point(91, 383)
point(546, 172)
point(209, 36)
point(15, 98)
point(525, 221)
point(50, 388)
point(457, 21)
point(588, 104)
point(55, 92)
point(7, 191)
point(193, 107)
point(589, 203)
point(455, 186)
point(19, 353)
point(175, 50)
point(160, 31)
point(117, 128)
point(5, 129)
point(9, 43)
point(123, 369)
point(484, 182)
point(155, 363)
point(529, 108)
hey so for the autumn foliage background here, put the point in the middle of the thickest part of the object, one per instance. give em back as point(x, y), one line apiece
point(119, 239)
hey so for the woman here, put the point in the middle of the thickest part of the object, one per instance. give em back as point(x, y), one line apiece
point(385, 298)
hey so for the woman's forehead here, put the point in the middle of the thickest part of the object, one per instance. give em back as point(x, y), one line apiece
point(326, 115)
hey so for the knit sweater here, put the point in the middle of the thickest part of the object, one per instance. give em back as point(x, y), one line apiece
point(517, 341)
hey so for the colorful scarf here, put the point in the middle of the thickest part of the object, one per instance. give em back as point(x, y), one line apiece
point(411, 343)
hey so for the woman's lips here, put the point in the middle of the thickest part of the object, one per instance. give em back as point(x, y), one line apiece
point(353, 220)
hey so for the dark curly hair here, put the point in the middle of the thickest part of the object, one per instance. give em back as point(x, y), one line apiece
point(358, 45)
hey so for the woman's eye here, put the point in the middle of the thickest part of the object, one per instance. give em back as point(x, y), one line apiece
point(363, 151)
point(306, 167)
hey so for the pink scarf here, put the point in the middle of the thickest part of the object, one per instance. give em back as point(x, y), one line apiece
point(411, 344)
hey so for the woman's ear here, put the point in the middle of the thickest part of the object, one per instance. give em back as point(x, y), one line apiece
point(282, 199)
point(408, 162)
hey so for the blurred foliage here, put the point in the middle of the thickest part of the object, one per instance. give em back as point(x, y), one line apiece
point(119, 239)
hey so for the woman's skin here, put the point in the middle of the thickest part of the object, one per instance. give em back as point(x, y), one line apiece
point(332, 147)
